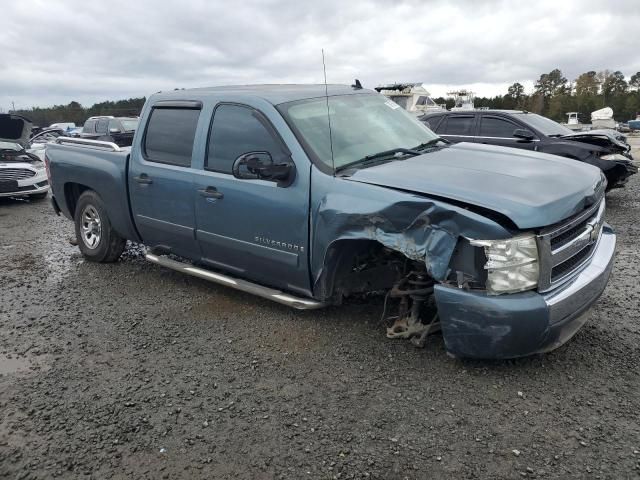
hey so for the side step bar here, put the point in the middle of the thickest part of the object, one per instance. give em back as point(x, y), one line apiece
point(249, 287)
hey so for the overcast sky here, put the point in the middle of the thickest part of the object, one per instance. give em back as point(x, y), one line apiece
point(54, 52)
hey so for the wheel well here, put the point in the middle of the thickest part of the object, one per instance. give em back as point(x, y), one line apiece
point(358, 266)
point(72, 192)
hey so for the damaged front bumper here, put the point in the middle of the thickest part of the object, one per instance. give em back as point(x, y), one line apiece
point(477, 325)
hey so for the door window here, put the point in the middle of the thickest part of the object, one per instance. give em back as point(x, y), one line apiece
point(496, 127)
point(101, 126)
point(237, 130)
point(170, 134)
point(459, 125)
point(114, 125)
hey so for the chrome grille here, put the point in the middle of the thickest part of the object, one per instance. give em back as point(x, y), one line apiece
point(15, 173)
point(566, 248)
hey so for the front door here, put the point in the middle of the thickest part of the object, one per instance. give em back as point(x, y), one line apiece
point(496, 130)
point(253, 228)
point(161, 181)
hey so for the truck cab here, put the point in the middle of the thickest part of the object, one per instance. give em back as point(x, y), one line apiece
point(309, 195)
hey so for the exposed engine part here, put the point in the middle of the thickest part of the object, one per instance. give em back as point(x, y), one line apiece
point(414, 291)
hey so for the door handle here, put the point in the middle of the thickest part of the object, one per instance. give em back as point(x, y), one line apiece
point(143, 179)
point(210, 192)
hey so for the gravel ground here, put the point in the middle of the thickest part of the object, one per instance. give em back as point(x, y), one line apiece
point(133, 371)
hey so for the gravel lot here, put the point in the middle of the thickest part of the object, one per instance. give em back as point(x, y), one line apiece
point(134, 371)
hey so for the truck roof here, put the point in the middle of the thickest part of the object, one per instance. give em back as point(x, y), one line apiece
point(275, 94)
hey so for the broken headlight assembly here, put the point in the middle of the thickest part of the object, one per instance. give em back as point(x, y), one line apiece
point(512, 264)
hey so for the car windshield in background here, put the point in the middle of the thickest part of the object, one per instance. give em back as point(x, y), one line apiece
point(10, 146)
point(542, 124)
point(361, 125)
point(129, 124)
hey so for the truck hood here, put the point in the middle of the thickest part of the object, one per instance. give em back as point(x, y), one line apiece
point(608, 139)
point(532, 189)
point(15, 129)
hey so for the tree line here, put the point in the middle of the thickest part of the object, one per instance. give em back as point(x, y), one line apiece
point(553, 96)
point(76, 113)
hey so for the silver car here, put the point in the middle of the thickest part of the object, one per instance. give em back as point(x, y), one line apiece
point(21, 173)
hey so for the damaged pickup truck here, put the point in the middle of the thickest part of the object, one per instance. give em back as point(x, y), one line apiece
point(307, 199)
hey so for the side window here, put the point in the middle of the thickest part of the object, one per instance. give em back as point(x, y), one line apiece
point(101, 126)
point(432, 122)
point(459, 125)
point(237, 130)
point(496, 127)
point(170, 134)
point(89, 126)
point(114, 125)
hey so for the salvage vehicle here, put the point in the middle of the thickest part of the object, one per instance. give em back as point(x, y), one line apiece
point(308, 200)
point(118, 130)
point(22, 174)
point(605, 149)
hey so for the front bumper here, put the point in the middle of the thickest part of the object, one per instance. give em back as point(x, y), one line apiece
point(28, 189)
point(477, 325)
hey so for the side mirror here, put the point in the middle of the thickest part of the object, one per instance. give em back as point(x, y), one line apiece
point(260, 166)
point(523, 134)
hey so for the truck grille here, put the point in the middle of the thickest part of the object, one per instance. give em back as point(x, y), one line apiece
point(566, 248)
point(15, 173)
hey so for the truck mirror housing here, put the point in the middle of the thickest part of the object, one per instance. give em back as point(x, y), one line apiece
point(260, 166)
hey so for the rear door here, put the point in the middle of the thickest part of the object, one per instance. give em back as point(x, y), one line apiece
point(251, 227)
point(458, 128)
point(497, 130)
point(161, 179)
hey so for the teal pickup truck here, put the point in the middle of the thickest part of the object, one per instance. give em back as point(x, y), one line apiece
point(307, 196)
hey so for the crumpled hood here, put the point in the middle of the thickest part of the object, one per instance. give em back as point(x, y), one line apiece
point(532, 189)
point(14, 128)
point(601, 138)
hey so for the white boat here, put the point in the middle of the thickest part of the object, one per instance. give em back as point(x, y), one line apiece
point(413, 97)
point(463, 99)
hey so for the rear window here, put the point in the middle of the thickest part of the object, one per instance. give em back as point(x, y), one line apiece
point(89, 126)
point(432, 122)
point(170, 134)
point(459, 125)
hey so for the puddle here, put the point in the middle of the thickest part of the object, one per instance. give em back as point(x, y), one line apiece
point(19, 365)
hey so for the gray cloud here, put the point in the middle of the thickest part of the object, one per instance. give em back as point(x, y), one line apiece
point(55, 52)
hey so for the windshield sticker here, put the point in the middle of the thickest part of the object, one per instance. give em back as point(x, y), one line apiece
point(391, 104)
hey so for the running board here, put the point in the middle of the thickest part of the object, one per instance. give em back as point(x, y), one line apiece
point(243, 285)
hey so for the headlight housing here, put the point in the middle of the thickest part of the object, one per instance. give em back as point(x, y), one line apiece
point(512, 264)
point(614, 156)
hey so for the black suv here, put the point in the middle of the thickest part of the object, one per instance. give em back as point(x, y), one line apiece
point(118, 130)
point(606, 149)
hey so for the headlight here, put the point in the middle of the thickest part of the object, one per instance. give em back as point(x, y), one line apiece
point(614, 156)
point(38, 165)
point(512, 264)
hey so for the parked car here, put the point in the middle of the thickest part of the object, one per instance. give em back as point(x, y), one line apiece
point(22, 174)
point(605, 149)
point(39, 141)
point(118, 130)
point(248, 187)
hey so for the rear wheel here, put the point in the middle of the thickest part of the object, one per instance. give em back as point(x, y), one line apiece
point(97, 239)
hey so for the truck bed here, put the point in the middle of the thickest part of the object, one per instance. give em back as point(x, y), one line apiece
point(76, 165)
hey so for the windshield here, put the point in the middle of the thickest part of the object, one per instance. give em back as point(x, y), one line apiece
point(129, 124)
point(10, 146)
point(361, 125)
point(544, 125)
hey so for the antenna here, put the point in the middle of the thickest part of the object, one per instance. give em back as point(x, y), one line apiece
point(326, 96)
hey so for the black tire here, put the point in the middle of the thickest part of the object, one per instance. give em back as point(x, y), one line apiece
point(97, 240)
point(39, 196)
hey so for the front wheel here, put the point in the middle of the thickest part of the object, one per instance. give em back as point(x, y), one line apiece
point(97, 240)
